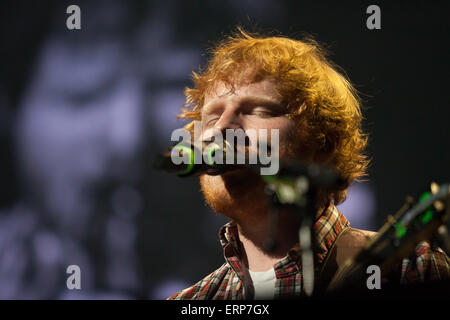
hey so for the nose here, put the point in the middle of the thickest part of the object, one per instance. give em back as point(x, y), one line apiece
point(229, 119)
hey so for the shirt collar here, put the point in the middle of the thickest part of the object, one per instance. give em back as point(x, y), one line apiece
point(326, 229)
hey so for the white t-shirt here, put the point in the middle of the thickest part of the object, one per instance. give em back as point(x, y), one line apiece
point(264, 284)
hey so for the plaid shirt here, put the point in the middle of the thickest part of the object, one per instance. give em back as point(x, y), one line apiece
point(232, 280)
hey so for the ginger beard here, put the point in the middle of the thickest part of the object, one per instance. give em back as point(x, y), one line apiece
point(236, 194)
point(241, 194)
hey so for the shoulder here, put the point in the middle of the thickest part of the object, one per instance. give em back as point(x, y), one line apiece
point(350, 242)
point(427, 263)
point(204, 288)
point(352, 237)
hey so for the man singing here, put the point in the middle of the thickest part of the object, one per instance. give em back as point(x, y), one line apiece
point(254, 82)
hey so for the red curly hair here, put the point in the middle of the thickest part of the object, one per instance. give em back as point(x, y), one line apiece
point(322, 101)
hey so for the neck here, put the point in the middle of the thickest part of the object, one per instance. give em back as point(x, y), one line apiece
point(253, 233)
point(254, 230)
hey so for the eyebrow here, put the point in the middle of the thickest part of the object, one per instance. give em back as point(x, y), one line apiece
point(246, 100)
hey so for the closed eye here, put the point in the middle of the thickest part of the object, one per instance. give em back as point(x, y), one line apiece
point(211, 121)
point(263, 112)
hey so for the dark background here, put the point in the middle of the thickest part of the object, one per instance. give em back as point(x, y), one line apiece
point(137, 233)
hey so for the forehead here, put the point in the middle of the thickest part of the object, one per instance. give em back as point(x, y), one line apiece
point(266, 88)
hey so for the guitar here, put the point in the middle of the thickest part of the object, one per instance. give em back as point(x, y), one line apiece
point(416, 221)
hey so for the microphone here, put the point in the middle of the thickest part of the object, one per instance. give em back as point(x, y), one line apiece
point(189, 167)
point(198, 160)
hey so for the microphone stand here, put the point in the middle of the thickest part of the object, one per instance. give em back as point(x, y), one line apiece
point(297, 189)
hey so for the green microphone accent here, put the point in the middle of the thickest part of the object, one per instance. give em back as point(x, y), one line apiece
point(269, 179)
point(190, 166)
point(210, 155)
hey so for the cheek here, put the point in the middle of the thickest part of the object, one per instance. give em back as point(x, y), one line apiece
point(287, 129)
point(288, 140)
point(284, 126)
